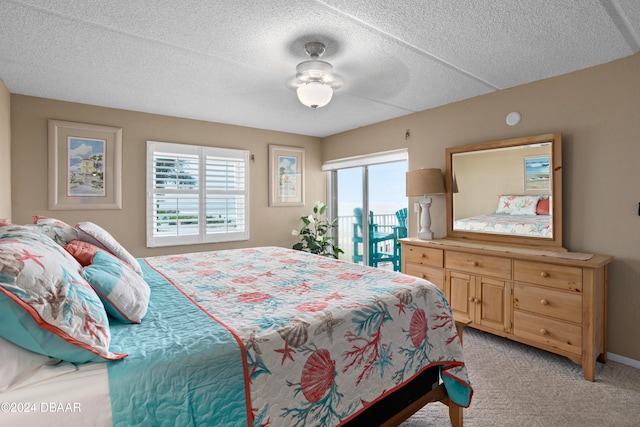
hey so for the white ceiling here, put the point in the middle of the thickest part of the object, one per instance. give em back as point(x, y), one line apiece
point(229, 61)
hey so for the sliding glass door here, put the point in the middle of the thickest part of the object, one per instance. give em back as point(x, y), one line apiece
point(370, 196)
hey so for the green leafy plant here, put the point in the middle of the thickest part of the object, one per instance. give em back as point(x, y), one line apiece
point(314, 236)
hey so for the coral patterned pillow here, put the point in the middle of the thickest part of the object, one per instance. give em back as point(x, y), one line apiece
point(517, 205)
point(61, 232)
point(45, 304)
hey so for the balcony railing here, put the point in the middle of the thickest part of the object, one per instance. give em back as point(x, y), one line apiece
point(385, 222)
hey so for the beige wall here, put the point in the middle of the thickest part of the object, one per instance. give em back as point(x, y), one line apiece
point(598, 112)
point(5, 152)
point(268, 226)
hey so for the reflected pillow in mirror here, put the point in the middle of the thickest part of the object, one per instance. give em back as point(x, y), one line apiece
point(543, 207)
point(517, 205)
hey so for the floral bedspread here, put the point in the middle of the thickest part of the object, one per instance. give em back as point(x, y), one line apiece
point(322, 338)
point(522, 225)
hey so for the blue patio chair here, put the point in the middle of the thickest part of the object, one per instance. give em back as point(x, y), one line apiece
point(400, 232)
point(383, 245)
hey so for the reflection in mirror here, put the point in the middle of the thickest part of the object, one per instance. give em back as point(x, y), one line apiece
point(506, 191)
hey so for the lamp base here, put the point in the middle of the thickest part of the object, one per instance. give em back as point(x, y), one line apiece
point(425, 235)
point(425, 232)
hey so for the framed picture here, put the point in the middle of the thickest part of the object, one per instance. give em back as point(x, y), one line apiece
point(286, 176)
point(85, 166)
point(537, 175)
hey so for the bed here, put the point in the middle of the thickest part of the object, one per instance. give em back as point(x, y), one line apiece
point(259, 336)
point(516, 214)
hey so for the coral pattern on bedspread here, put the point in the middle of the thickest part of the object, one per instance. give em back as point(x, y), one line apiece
point(322, 338)
point(521, 225)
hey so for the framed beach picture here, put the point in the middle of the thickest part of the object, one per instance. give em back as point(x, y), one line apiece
point(537, 176)
point(286, 176)
point(85, 166)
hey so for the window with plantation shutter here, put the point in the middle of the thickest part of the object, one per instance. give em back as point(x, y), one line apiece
point(196, 194)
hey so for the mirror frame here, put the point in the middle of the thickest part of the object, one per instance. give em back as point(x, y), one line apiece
point(556, 179)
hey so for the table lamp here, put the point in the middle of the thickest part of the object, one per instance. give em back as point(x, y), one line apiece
point(425, 182)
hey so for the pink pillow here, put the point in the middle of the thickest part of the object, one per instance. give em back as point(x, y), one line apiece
point(82, 251)
point(543, 207)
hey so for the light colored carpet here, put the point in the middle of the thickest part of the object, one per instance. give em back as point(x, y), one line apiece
point(518, 385)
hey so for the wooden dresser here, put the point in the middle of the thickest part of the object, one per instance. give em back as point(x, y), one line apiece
point(556, 301)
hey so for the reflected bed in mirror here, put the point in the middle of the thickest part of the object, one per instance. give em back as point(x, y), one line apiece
point(507, 191)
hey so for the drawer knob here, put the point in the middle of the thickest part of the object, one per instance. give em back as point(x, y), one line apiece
point(544, 302)
point(474, 263)
point(471, 299)
point(476, 300)
point(544, 274)
point(543, 331)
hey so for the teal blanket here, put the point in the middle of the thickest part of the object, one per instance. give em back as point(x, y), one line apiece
point(182, 368)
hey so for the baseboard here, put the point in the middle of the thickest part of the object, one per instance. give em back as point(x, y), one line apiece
point(624, 360)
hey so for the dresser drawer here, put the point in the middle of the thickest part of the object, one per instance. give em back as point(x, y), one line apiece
point(555, 333)
point(424, 256)
point(552, 275)
point(434, 275)
point(479, 264)
point(548, 302)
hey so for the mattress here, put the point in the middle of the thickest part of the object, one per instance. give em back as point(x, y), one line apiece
point(60, 395)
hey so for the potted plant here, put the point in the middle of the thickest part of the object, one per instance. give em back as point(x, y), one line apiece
point(314, 234)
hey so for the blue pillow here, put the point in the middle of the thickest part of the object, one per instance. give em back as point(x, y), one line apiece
point(45, 304)
point(123, 292)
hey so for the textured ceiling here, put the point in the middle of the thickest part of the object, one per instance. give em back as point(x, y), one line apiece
point(229, 61)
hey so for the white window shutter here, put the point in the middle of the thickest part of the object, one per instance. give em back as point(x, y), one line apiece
point(196, 194)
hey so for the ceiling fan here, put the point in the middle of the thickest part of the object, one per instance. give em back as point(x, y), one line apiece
point(315, 81)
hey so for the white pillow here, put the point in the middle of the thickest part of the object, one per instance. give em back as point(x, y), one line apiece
point(96, 235)
point(18, 363)
point(125, 295)
point(517, 205)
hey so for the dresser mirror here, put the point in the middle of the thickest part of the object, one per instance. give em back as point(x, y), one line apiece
point(507, 191)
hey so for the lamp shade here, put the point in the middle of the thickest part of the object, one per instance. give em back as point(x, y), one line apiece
point(422, 182)
point(315, 94)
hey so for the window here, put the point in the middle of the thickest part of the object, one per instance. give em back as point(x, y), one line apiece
point(196, 194)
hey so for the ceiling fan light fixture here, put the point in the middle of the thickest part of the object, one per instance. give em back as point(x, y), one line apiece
point(314, 94)
point(314, 70)
point(314, 80)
